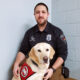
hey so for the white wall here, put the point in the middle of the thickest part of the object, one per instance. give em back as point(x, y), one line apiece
point(66, 15)
point(16, 16)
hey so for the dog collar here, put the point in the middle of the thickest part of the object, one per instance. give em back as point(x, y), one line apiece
point(34, 63)
point(25, 71)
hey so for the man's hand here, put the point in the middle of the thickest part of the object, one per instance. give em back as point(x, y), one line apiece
point(49, 73)
point(16, 70)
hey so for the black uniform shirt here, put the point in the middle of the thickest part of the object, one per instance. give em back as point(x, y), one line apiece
point(52, 35)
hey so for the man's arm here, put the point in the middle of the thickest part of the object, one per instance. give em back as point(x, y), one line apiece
point(58, 63)
point(19, 58)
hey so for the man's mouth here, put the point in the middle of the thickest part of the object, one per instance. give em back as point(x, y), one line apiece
point(40, 18)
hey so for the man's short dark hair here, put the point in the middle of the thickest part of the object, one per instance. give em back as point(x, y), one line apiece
point(41, 4)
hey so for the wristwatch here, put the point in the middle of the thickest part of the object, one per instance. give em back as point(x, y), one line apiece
point(53, 69)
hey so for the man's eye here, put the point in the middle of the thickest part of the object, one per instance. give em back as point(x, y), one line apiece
point(37, 12)
point(43, 12)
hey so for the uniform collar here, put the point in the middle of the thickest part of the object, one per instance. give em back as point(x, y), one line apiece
point(45, 30)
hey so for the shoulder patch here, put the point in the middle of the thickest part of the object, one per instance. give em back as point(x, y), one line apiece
point(62, 37)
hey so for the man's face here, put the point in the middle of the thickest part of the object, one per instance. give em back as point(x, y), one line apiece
point(41, 14)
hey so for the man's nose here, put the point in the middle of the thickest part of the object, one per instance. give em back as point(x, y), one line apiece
point(40, 14)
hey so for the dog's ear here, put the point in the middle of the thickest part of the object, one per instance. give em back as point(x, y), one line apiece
point(52, 52)
point(33, 56)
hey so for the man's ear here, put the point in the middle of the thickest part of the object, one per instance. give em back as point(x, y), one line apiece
point(52, 52)
point(33, 56)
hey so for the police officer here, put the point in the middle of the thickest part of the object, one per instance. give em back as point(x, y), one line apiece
point(43, 31)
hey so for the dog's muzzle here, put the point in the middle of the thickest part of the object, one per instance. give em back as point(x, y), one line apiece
point(45, 59)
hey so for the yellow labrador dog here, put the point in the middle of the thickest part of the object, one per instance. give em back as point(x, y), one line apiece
point(38, 62)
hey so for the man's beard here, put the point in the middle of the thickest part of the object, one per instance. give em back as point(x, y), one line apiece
point(42, 24)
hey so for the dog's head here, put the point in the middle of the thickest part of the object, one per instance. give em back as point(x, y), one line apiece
point(41, 53)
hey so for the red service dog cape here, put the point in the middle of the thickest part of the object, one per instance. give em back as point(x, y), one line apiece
point(25, 71)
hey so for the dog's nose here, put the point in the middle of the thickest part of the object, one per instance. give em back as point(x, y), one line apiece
point(45, 59)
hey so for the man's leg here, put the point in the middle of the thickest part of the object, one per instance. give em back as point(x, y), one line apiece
point(57, 75)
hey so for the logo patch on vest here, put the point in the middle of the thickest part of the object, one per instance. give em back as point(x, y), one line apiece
point(48, 37)
point(25, 71)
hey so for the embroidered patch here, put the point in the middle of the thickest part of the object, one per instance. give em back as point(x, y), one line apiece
point(24, 71)
point(48, 37)
point(62, 37)
point(32, 38)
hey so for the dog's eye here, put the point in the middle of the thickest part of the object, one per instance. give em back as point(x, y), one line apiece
point(47, 49)
point(39, 50)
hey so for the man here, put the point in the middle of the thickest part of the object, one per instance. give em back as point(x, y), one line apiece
point(43, 32)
